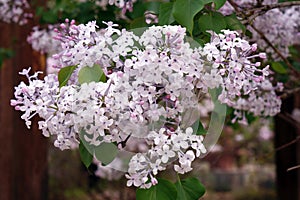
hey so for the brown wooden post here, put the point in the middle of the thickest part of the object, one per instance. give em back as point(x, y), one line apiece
point(288, 182)
point(23, 152)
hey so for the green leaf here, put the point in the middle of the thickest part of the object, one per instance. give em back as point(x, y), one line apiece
point(140, 7)
point(138, 10)
point(64, 75)
point(50, 17)
point(296, 65)
point(164, 190)
point(198, 126)
point(39, 10)
point(153, 6)
point(138, 23)
point(185, 11)
point(189, 189)
point(219, 111)
point(214, 93)
point(278, 67)
point(212, 21)
point(106, 152)
point(6, 53)
point(219, 3)
point(85, 155)
point(234, 24)
point(166, 13)
point(90, 74)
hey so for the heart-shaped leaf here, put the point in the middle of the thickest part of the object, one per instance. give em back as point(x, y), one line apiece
point(189, 189)
point(166, 13)
point(85, 155)
point(64, 75)
point(185, 11)
point(104, 152)
point(219, 3)
point(279, 68)
point(233, 23)
point(90, 74)
point(212, 21)
point(164, 190)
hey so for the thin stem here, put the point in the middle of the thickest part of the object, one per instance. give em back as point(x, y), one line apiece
point(263, 9)
point(288, 144)
point(287, 62)
point(289, 118)
point(123, 143)
point(288, 93)
point(244, 16)
point(292, 168)
point(235, 6)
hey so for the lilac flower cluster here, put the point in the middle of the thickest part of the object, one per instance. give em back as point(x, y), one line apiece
point(282, 32)
point(280, 26)
point(152, 81)
point(42, 40)
point(43, 98)
point(14, 11)
point(245, 87)
point(167, 147)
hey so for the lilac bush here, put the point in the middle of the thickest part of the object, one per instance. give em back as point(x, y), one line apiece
point(145, 90)
point(144, 81)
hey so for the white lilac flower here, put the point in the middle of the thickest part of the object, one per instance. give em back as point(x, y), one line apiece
point(14, 11)
point(153, 80)
point(166, 153)
point(280, 26)
point(42, 40)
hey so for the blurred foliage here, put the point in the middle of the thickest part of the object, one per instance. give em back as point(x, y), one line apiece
point(5, 54)
point(203, 15)
point(76, 194)
point(57, 11)
point(249, 145)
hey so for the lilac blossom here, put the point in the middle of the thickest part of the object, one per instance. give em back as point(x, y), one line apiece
point(42, 40)
point(280, 26)
point(14, 11)
point(153, 80)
